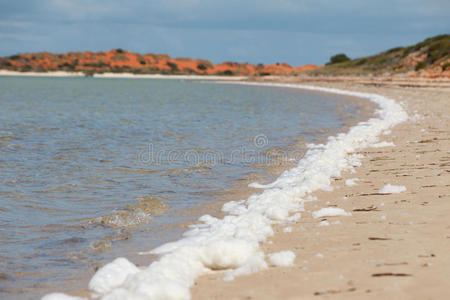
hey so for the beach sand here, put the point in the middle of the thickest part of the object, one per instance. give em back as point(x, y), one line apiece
point(120, 75)
point(394, 245)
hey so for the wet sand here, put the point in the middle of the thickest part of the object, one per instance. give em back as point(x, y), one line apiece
point(393, 246)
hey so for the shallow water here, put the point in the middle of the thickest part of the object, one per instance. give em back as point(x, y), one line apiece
point(95, 168)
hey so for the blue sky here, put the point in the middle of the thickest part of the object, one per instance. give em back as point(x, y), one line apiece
point(255, 31)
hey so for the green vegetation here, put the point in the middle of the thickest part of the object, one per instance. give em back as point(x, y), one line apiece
point(173, 66)
point(433, 51)
point(5, 64)
point(190, 71)
point(66, 66)
point(89, 73)
point(445, 66)
point(202, 66)
point(26, 68)
point(228, 73)
point(338, 58)
point(420, 66)
point(119, 58)
point(117, 69)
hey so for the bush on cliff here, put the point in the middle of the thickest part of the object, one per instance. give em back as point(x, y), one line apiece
point(204, 65)
point(338, 58)
point(173, 66)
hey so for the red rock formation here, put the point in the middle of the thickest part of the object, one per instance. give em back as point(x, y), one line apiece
point(119, 60)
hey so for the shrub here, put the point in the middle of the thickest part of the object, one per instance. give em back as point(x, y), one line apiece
point(190, 71)
point(445, 66)
point(65, 65)
point(119, 58)
point(438, 50)
point(202, 66)
point(117, 69)
point(138, 71)
point(6, 63)
point(396, 49)
point(99, 64)
point(173, 66)
point(421, 65)
point(89, 73)
point(338, 58)
point(26, 68)
point(360, 61)
point(119, 50)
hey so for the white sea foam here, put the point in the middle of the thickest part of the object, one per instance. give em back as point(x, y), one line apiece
point(60, 296)
point(392, 189)
point(282, 258)
point(330, 212)
point(351, 181)
point(112, 275)
point(383, 144)
point(287, 229)
point(232, 243)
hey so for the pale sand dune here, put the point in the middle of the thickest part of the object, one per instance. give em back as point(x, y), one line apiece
point(120, 75)
point(42, 74)
point(394, 246)
point(160, 76)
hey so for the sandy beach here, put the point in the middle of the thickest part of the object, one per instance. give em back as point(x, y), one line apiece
point(394, 245)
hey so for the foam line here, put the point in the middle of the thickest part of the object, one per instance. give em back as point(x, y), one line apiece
point(232, 243)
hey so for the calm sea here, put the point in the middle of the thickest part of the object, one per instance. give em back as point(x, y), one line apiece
point(91, 169)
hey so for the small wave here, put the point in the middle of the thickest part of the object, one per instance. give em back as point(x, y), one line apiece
point(201, 168)
point(142, 213)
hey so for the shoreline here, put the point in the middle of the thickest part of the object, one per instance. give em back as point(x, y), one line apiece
point(62, 74)
point(401, 80)
point(170, 248)
point(393, 245)
point(240, 190)
point(303, 280)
